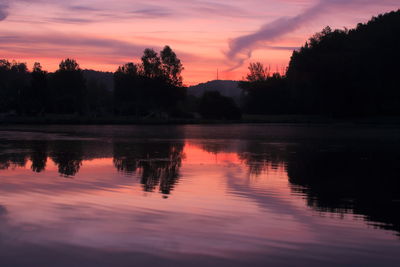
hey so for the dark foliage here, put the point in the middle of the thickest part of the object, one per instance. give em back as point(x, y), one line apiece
point(215, 106)
point(336, 73)
point(14, 80)
point(264, 94)
point(349, 72)
point(68, 89)
point(150, 88)
point(36, 98)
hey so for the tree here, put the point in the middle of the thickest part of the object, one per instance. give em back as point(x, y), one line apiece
point(69, 65)
point(126, 89)
point(37, 97)
point(151, 63)
point(215, 106)
point(14, 80)
point(172, 66)
point(68, 88)
point(263, 93)
point(257, 72)
point(152, 87)
point(99, 98)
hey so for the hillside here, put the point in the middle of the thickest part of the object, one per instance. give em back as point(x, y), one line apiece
point(349, 72)
point(226, 88)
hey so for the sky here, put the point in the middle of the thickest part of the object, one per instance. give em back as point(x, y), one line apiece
point(207, 35)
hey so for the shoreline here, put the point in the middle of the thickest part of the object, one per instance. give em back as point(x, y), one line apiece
point(247, 119)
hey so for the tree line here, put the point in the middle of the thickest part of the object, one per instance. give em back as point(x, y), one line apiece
point(336, 73)
point(152, 86)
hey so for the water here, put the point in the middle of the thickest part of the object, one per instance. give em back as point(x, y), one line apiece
point(239, 195)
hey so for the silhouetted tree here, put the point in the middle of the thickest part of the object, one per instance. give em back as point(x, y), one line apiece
point(35, 97)
point(257, 72)
point(152, 87)
point(172, 66)
point(263, 93)
point(14, 80)
point(151, 63)
point(215, 106)
point(68, 88)
point(99, 98)
point(126, 89)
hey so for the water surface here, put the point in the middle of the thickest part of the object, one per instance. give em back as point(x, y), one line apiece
point(238, 195)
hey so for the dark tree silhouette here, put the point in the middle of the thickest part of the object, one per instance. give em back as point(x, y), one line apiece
point(14, 80)
point(171, 66)
point(150, 88)
point(99, 98)
point(257, 72)
point(36, 96)
point(349, 72)
point(265, 94)
point(151, 64)
point(68, 88)
point(215, 106)
point(126, 89)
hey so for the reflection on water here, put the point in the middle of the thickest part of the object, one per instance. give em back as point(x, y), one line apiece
point(157, 163)
point(237, 195)
point(361, 180)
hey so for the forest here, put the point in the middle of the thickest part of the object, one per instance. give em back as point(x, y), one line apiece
point(337, 73)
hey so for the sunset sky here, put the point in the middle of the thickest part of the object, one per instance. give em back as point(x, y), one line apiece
point(206, 34)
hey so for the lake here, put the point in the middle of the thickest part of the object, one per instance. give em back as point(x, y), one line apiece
point(218, 195)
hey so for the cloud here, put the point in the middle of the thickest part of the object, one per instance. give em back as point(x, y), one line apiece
point(3, 9)
point(242, 47)
point(151, 12)
point(71, 20)
point(83, 8)
point(98, 49)
point(62, 45)
point(268, 32)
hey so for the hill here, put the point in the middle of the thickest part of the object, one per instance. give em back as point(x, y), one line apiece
point(225, 87)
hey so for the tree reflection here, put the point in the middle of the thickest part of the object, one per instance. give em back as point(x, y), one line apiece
point(157, 163)
point(260, 157)
point(345, 177)
point(13, 155)
point(339, 177)
point(351, 179)
point(68, 156)
point(38, 156)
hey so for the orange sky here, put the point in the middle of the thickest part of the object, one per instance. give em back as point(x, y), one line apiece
point(206, 34)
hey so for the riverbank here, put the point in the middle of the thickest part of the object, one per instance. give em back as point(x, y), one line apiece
point(126, 120)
